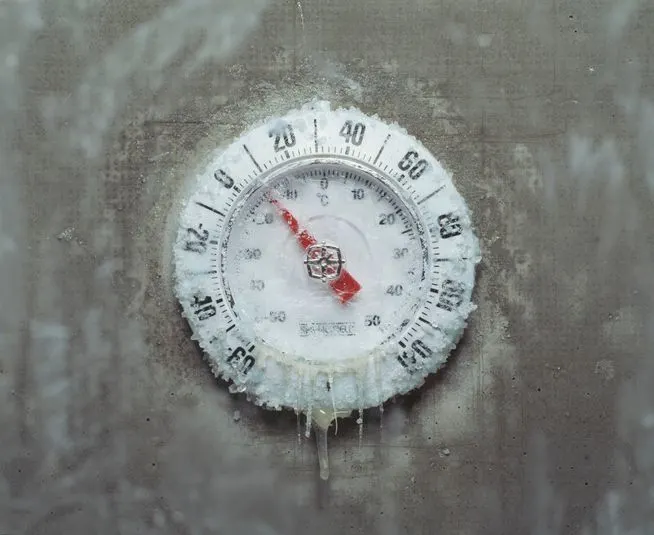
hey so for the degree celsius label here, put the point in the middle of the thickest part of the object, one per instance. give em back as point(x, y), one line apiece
point(325, 259)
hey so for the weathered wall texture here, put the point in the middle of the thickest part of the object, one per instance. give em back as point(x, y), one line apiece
point(543, 112)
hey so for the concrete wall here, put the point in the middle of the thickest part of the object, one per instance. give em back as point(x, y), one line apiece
point(543, 421)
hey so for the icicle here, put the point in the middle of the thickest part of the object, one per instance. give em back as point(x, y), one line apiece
point(323, 420)
point(298, 412)
point(330, 382)
point(360, 397)
point(307, 430)
point(299, 427)
point(360, 424)
point(309, 396)
point(376, 373)
point(323, 454)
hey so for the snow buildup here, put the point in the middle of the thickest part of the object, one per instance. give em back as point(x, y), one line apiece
point(284, 380)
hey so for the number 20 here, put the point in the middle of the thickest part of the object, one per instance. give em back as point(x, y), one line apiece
point(284, 137)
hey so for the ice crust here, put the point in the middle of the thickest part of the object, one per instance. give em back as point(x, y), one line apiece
point(282, 381)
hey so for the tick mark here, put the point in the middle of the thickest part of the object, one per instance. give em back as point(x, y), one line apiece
point(427, 322)
point(443, 259)
point(210, 208)
point(381, 149)
point(252, 158)
point(431, 194)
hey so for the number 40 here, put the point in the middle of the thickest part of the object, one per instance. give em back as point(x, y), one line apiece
point(353, 132)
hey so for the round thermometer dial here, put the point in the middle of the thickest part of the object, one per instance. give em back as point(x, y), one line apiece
point(325, 260)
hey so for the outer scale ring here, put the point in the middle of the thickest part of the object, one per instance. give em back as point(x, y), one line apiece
point(270, 377)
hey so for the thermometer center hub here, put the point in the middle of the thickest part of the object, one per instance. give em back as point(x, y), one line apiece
point(324, 262)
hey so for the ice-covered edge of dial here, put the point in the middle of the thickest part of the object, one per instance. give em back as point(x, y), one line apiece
point(276, 382)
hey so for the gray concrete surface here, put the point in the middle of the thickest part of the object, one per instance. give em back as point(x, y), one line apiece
point(542, 422)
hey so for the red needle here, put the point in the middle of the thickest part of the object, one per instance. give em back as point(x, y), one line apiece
point(346, 286)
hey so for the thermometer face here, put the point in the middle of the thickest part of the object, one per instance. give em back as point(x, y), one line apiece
point(267, 272)
point(325, 260)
